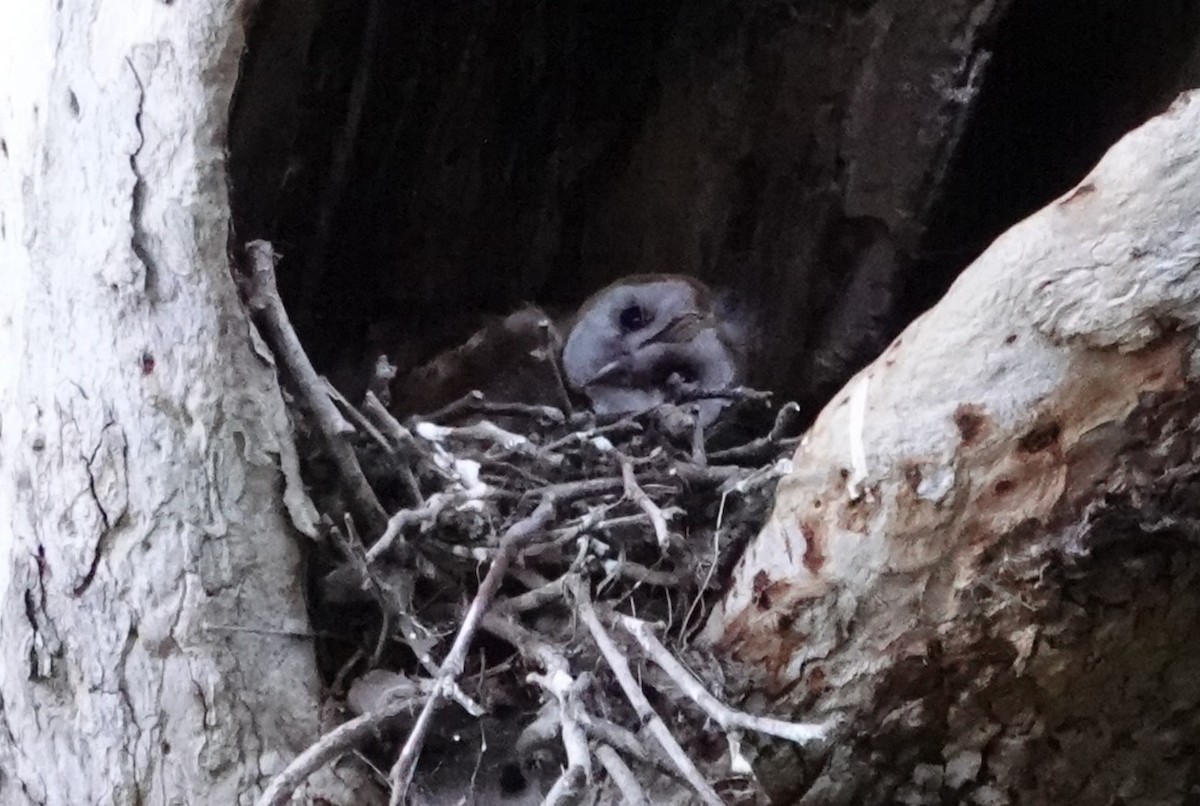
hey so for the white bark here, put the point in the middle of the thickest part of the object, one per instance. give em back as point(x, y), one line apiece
point(967, 452)
point(150, 610)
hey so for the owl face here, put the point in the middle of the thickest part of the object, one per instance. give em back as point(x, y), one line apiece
point(630, 339)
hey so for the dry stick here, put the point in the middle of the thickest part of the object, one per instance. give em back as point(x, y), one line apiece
point(474, 403)
point(565, 690)
point(728, 718)
point(585, 488)
point(636, 494)
point(547, 592)
point(568, 789)
point(622, 776)
point(341, 739)
point(402, 443)
point(365, 424)
point(528, 644)
point(402, 771)
point(686, 394)
point(402, 520)
point(385, 422)
point(637, 698)
point(264, 298)
point(710, 475)
point(550, 355)
point(352, 547)
point(627, 742)
point(785, 420)
point(625, 424)
point(356, 417)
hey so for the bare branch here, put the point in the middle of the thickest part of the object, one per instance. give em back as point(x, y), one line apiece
point(636, 494)
point(265, 300)
point(341, 739)
point(633, 692)
point(621, 775)
point(728, 718)
point(475, 403)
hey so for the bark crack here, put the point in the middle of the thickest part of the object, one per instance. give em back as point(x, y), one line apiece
point(139, 239)
point(107, 520)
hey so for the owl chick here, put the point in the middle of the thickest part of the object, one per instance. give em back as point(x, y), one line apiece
point(631, 343)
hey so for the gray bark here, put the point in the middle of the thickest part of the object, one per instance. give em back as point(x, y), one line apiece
point(155, 638)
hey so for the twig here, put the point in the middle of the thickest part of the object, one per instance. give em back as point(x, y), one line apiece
point(547, 592)
point(627, 742)
point(710, 475)
point(386, 423)
point(728, 718)
point(482, 431)
point(356, 417)
point(402, 771)
point(352, 548)
point(527, 643)
point(638, 496)
point(568, 789)
point(626, 424)
point(712, 568)
point(402, 520)
point(765, 447)
point(564, 689)
point(397, 440)
point(475, 403)
point(633, 692)
point(631, 791)
point(550, 355)
point(687, 393)
point(341, 739)
point(636, 572)
point(587, 488)
point(264, 298)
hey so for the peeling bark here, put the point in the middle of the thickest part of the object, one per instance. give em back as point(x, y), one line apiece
point(155, 639)
point(986, 556)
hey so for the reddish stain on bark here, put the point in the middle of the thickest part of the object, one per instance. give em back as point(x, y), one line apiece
point(970, 421)
point(912, 476)
point(762, 599)
point(814, 558)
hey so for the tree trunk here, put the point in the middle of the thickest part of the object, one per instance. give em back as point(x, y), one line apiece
point(155, 638)
point(985, 558)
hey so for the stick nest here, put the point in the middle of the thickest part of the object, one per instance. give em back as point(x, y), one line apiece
point(508, 595)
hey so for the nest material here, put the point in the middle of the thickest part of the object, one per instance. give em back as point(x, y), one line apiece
point(544, 570)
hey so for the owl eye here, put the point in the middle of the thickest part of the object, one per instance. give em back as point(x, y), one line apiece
point(631, 318)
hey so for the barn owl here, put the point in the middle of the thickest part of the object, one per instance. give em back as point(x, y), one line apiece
point(628, 340)
point(622, 348)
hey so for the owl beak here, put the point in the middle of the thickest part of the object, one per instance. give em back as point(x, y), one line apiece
point(681, 329)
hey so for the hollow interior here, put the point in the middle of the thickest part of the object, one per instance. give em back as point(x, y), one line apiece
point(836, 163)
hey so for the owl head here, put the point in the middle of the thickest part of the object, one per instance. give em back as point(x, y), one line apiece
point(628, 340)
